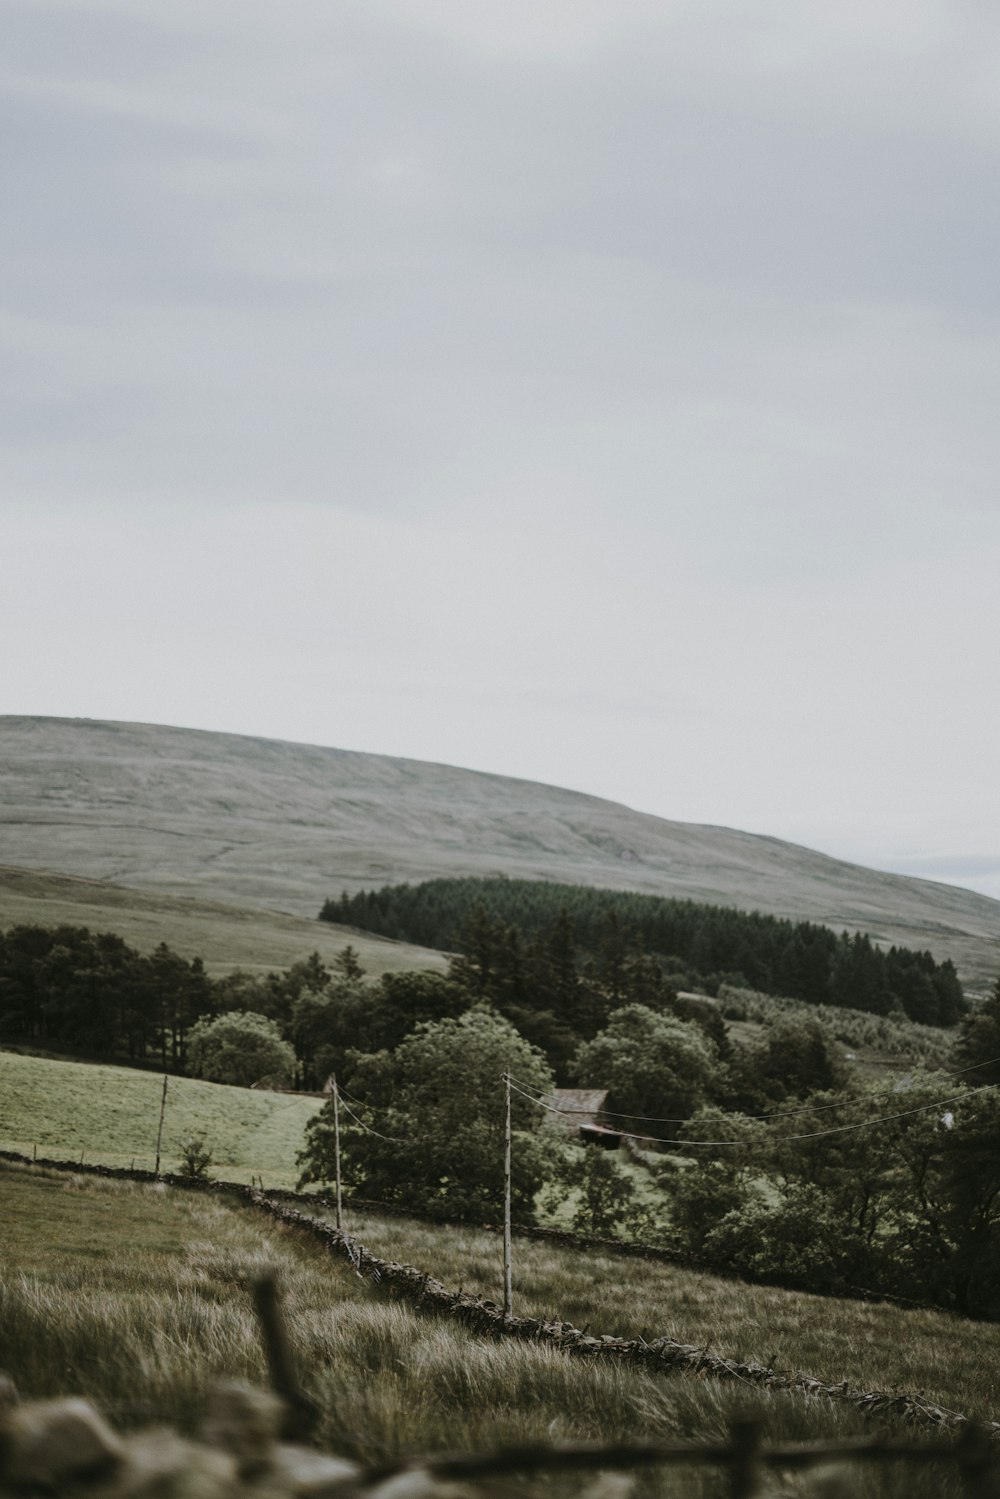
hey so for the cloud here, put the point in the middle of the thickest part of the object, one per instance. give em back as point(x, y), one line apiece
point(600, 391)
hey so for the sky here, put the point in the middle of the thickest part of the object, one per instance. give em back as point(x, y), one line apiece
point(602, 392)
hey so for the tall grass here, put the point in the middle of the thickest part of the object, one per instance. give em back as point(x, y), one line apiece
point(138, 1297)
point(873, 1346)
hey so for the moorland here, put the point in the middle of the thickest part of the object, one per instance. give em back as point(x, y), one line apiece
point(829, 1126)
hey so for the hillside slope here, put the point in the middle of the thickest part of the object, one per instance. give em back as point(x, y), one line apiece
point(223, 936)
point(264, 823)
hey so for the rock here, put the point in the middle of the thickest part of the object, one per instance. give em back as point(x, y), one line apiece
point(308, 1474)
point(244, 1423)
point(52, 1442)
point(159, 1464)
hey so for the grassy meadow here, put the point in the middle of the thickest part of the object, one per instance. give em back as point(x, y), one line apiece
point(138, 1297)
point(111, 1116)
point(223, 936)
point(874, 1346)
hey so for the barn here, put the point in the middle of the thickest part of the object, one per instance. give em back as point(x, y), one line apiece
point(580, 1112)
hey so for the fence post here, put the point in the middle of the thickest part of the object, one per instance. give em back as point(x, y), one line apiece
point(159, 1132)
point(744, 1468)
point(302, 1413)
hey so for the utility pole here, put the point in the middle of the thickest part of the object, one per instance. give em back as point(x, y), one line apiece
point(336, 1149)
point(159, 1132)
point(508, 1288)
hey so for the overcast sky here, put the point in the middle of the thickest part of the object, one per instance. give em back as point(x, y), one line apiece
point(598, 391)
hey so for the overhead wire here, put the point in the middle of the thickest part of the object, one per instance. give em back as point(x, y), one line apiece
point(837, 1129)
point(369, 1130)
point(772, 1114)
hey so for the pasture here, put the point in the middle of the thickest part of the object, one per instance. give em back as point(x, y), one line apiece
point(138, 1296)
point(111, 1115)
point(223, 936)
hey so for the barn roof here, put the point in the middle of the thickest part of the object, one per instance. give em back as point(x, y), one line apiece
point(578, 1100)
point(576, 1106)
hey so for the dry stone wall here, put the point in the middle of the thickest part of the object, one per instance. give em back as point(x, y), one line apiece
point(659, 1355)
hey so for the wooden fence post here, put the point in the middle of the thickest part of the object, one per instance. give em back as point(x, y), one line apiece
point(977, 1463)
point(302, 1413)
point(159, 1132)
point(336, 1150)
point(744, 1467)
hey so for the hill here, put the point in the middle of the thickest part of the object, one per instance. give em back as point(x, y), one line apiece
point(223, 936)
point(268, 824)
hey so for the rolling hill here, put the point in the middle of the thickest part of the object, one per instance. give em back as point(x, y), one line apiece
point(269, 825)
point(223, 936)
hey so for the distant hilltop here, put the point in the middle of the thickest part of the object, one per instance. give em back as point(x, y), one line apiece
point(265, 823)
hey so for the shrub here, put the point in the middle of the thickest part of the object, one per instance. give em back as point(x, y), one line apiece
point(240, 1047)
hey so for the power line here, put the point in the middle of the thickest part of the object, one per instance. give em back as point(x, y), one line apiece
point(773, 1114)
point(368, 1129)
point(811, 1135)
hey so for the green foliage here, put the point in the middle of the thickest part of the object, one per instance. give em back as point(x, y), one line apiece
point(898, 1194)
point(196, 1158)
point(424, 1125)
point(979, 1041)
point(792, 1059)
point(612, 929)
point(654, 1065)
point(720, 1179)
point(89, 992)
point(240, 1048)
point(330, 1027)
point(800, 1241)
point(607, 1202)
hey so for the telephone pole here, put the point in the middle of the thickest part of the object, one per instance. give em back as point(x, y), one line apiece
point(508, 1288)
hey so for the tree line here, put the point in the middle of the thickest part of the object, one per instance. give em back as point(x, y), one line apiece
point(91, 994)
point(693, 945)
point(774, 1159)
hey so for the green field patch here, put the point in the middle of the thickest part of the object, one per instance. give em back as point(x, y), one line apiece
point(110, 1116)
point(224, 936)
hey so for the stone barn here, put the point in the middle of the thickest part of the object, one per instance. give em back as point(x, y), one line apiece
point(581, 1114)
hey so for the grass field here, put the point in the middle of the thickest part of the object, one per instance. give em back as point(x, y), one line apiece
point(873, 1346)
point(138, 1296)
point(111, 1116)
point(223, 936)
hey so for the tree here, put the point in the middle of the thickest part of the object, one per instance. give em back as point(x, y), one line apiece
point(653, 1064)
point(196, 1158)
point(798, 1241)
point(791, 1060)
point(722, 1178)
point(607, 1202)
point(332, 1027)
point(425, 1124)
point(240, 1047)
point(979, 1042)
